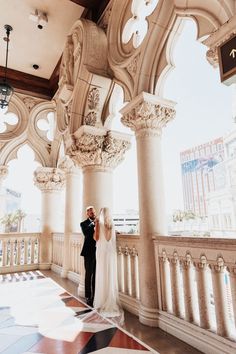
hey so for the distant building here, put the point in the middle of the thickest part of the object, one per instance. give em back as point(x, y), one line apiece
point(12, 200)
point(127, 222)
point(222, 201)
point(198, 176)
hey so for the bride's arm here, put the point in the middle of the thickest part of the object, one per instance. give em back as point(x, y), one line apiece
point(96, 230)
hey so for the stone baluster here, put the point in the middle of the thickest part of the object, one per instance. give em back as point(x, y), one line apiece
point(175, 285)
point(12, 246)
point(19, 243)
point(166, 284)
point(134, 273)
point(4, 252)
point(120, 268)
point(220, 298)
point(232, 277)
point(188, 286)
point(26, 251)
point(203, 293)
point(127, 271)
point(50, 181)
point(32, 250)
point(147, 115)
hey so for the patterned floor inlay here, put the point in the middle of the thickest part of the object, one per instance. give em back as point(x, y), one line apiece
point(37, 316)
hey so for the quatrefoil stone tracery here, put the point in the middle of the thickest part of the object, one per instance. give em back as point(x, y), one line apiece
point(137, 25)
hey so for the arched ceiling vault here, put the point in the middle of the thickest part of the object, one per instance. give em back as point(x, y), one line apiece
point(140, 69)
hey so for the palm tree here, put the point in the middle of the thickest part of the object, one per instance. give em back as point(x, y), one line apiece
point(19, 215)
point(9, 221)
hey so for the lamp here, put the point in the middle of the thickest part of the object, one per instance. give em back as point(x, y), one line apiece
point(6, 90)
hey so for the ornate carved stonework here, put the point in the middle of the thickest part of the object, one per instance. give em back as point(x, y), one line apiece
point(3, 172)
point(66, 164)
point(212, 57)
point(93, 98)
point(49, 179)
point(93, 107)
point(105, 150)
point(132, 66)
point(90, 119)
point(147, 117)
point(67, 63)
point(30, 102)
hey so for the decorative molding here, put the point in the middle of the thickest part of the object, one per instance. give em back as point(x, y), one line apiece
point(97, 147)
point(212, 57)
point(30, 102)
point(93, 98)
point(137, 26)
point(147, 114)
point(90, 119)
point(49, 179)
point(66, 164)
point(3, 172)
point(133, 65)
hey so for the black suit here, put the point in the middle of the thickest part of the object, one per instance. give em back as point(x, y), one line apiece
point(89, 254)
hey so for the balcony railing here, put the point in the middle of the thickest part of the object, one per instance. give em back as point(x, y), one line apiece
point(196, 280)
point(19, 252)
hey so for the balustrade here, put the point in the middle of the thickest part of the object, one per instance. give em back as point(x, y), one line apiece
point(204, 271)
point(19, 251)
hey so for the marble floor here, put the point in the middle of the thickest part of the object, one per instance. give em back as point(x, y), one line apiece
point(155, 338)
point(38, 315)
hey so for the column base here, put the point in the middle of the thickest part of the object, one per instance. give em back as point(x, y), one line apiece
point(148, 316)
point(81, 290)
point(64, 273)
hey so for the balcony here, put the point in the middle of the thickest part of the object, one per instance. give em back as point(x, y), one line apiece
point(196, 280)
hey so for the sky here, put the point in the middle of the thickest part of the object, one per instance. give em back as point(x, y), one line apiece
point(203, 113)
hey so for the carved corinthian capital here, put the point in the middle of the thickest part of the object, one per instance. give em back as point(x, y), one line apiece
point(147, 114)
point(49, 179)
point(3, 172)
point(98, 147)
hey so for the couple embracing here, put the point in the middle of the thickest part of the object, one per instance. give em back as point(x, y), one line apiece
point(100, 262)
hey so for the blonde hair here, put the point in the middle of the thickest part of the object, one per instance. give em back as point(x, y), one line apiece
point(106, 219)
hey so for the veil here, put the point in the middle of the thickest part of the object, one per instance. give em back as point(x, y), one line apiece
point(106, 299)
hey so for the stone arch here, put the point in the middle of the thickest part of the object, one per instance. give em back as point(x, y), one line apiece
point(9, 152)
point(139, 69)
point(17, 107)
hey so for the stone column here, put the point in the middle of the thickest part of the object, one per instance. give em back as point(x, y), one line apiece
point(147, 115)
point(72, 209)
point(50, 181)
point(97, 151)
point(3, 175)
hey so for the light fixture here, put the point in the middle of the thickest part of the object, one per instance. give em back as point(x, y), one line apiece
point(6, 90)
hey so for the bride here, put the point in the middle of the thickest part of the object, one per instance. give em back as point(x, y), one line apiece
point(106, 286)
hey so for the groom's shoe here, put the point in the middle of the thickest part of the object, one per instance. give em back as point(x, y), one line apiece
point(89, 301)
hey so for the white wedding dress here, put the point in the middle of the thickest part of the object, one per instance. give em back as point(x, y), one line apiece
point(106, 285)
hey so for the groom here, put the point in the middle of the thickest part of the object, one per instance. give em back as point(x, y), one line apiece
point(88, 252)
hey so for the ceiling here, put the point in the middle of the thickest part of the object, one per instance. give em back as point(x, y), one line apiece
point(30, 45)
